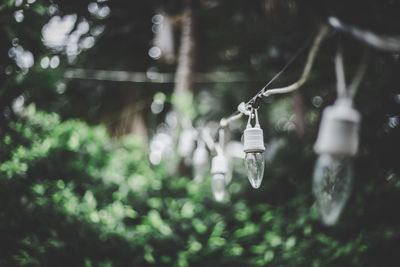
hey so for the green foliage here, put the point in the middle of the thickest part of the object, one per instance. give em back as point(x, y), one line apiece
point(71, 197)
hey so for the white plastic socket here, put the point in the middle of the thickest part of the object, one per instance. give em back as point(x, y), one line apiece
point(339, 130)
point(253, 140)
point(219, 164)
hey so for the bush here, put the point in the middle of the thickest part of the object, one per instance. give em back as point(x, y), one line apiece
point(71, 197)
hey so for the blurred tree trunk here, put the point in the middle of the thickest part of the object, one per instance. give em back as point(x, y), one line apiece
point(130, 116)
point(299, 111)
point(183, 76)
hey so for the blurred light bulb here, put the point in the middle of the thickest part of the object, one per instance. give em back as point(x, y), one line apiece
point(331, 186)
point(229, 172)
point(219, 168)
point(253, 146)
point(337, 143)
point(186, 143)
point(200, 162)
point(218, 186)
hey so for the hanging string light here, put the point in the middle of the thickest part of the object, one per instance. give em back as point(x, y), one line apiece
point(337, 141)
point(253, 136)
point(200, 161)
point(336, 144)
point(186, 140)
point(253, 146)
point(219, 168)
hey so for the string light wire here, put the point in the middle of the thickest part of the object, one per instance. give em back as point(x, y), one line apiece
point(340, 76)
point(349, 92)
point(244, 109)
point(378, 41)
point(360, 73)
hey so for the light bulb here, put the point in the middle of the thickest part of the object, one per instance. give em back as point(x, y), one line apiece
point(229, 173)
point(253, 146)
point(337, 143)
point(218, 186)
point(254, 162)
point(219, 168)
point(331, 185)
point(200, 162)
point(186, 143)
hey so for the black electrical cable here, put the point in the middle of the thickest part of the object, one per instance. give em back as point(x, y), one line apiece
point(254, 101)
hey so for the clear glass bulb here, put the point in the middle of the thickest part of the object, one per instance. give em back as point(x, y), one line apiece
point(254, 162)
point(218, 186)
point(331, 186)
